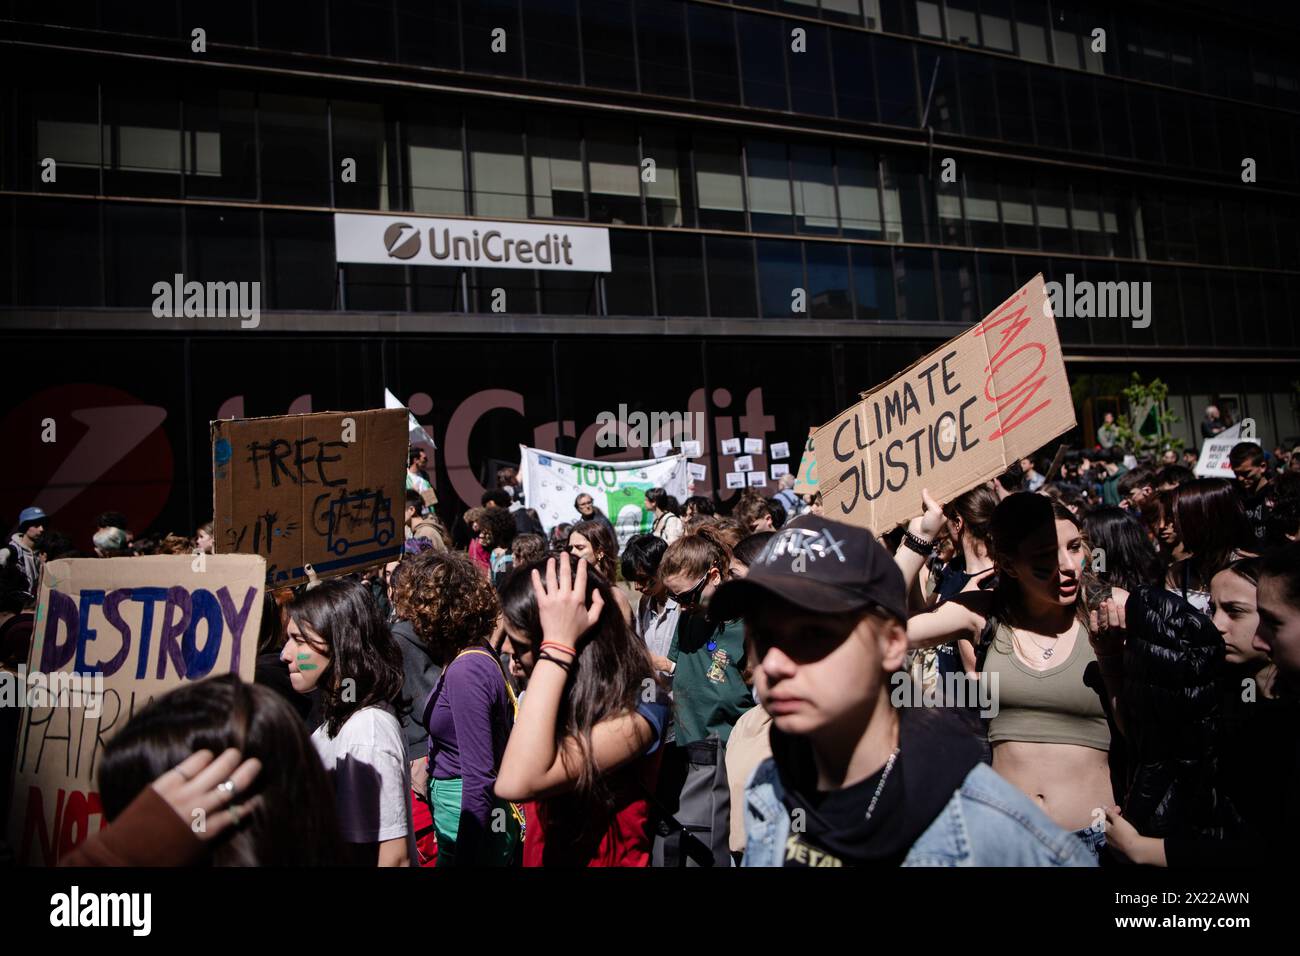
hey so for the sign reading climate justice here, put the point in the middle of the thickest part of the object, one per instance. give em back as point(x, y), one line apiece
point(954, 419)
point(482, 243)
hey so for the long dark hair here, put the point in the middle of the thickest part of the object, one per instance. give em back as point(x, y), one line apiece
point(611, 672)
point(661, 499)
point(975, 508)
point(603, 542)
point(1211, 520)
point(1130, 558)
point(293, 824)
point(360, 645)
point(1016, 518)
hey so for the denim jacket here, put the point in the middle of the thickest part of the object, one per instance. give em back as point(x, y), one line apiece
point(988, 822)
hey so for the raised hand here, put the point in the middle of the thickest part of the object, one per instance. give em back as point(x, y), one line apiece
point(562, 603)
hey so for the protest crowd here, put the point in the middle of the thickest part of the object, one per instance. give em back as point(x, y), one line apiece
point(1076, 663)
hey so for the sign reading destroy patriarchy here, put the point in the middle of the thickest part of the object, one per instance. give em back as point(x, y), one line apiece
point(140, 627)
point(956, 418)
point(325, 489)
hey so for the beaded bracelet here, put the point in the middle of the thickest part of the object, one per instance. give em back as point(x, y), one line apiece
point(560, 647)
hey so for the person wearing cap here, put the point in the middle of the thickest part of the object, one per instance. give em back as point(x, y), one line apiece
point(31, 525)
point(854, 780)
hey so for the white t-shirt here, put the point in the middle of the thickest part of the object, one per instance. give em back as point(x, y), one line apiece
point(372, 780)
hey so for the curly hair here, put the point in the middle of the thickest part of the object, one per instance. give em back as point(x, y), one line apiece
point(449, 602)
point(500, 527)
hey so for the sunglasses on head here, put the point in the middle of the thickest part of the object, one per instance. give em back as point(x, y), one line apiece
point(693, 595)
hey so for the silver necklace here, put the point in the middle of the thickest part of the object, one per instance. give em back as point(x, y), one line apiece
point(1047, 652)
point(889, 765)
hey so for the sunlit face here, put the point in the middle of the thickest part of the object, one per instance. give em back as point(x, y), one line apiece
point(522, 651)
point(1236, 615)
point(203, 541)
point(580, 547)
point(815, 670)
point(1249, 475)
point(1279, 626)
point(1048, 567)
point(307, 655)
point(586, 507)
point(692, 592)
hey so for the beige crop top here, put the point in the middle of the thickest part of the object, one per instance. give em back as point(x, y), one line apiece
point(1053, 706)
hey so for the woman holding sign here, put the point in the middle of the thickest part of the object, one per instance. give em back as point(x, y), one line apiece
point(1050, 733)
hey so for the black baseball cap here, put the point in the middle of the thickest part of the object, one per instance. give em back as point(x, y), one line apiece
point(821, 566)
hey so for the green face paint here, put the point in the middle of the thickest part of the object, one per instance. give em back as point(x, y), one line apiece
point(305, 667)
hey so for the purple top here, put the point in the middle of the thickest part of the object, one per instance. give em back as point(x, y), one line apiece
point(468, 727)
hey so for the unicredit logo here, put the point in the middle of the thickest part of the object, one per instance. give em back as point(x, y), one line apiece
point(402, 240)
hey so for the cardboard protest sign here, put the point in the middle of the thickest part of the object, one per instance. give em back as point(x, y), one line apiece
point(551, 483)
point(806, 478)
point(1213, 462)
point(955, 418)
point(109, 636)
point(325, 489)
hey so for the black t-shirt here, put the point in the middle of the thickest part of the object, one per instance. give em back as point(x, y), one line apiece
point(837, 828)
point(1257, 512)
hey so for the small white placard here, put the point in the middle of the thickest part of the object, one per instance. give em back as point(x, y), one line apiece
point(745, 463)
point(780, 449)
point(697, 472)
point(735, 479)
point(691, 449)
point(731, 446)
point(753, 446)
point(662, 449)
point(779, 470)
point(757, 479)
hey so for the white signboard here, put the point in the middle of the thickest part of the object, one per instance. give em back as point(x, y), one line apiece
point(1213, 462)
point(481, 243)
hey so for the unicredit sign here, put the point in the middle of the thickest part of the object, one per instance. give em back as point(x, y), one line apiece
point(480, 243)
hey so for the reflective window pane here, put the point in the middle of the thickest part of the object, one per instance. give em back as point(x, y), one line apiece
point(731, 277)
point(829, 292)
point(780, 275)
point(613, 166)
point(497, 167)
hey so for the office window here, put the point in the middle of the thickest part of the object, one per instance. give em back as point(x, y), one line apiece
point(608, 55)
point(1112, 109)
point(1254, 326)
point(1081, 95)
point(829, 294)
point(1288, 236)
point(142, 245)
point(713, 55)
point(549, 29)
point(435, 164)
point(982, 206)
point(568, 293)
point(361, 134)
point(780, 273)
point(1276, 314)
point(217, 147)
point(497, 167)
point(717, 177)
point(958, 288)
point(902, 188)
point(668, 197)
point(628, 285)
point(995, 22)
point(1224, 312)
point(1180, 241)
point(929, 22)
point(1145, 119)
point(142, 143)
point(679, 275)
point(855, 89)
point(979, 96)
point(1195, 307)
point(437, 290)
point(947, 220)
point(1085, 212)
point(1031, 31)
point(771, 208)
point(519, 288)
point(914, 275)
point(1204, 136)
point(761, 61)
point(896, 81)
point(660, 33)
point(481, 18)
point(146, 17)
point(42, 279)
point(1066, 45)
point(1168, 321)
point(66, 127)
point(555, 157)
point(374, 288)
point(1236, 243)
point(873, 284)
point(814, 189)
point(996, 280)
point(227, 21)
point(1013, 104)
point(612, 164)
point(1018, 213)
point(300, 267)
point(850, 11)
point(810, 72)
point(1205, 230)
point(962, 22)
point(299, 26)
point(223, 245)
point(362, 29)
point(1053, 220)
point(940, 89)
point(295, 150)
point(1050, 118)
point(1101, 330)
point(731, 277)
point(429, 35)
point(1117, 221)
point(859, 193)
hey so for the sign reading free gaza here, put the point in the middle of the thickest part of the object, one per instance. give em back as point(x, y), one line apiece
point(481, 243)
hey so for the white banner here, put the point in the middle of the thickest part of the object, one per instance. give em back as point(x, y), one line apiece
point(1213, 462)
point(481, 243)
point(552, 482)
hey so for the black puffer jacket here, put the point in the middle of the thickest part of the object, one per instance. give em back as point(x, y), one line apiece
point(1173, 659)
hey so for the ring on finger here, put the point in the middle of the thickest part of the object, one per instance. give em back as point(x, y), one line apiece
point(227, 787)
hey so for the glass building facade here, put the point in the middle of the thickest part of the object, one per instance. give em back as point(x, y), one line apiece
point(904, 165)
